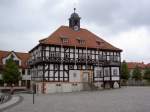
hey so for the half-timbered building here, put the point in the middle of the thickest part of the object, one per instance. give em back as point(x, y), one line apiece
point(21, 60)
point(73, 59)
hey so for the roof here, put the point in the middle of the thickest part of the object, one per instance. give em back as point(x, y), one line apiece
point(148, 65)
point(132, 65)
point(91, 40)
point(22, 56)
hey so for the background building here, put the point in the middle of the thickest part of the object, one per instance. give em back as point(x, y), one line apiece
point(74, 59)
point(21, 60)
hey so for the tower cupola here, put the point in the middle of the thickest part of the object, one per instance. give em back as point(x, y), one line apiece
point(74, 21)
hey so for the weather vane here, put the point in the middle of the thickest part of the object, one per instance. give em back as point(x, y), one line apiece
point(74, 10)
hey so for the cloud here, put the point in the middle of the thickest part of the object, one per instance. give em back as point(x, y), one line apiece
point(135, 44)
point(124, 23)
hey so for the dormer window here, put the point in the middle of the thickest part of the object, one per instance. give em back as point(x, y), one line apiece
point(64, 40)
point(81, 41)
point(98, 42)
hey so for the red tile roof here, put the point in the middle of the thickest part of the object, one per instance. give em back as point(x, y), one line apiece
point(132, 65)
point(22, 56)
point(148, 65)
point(91, 40)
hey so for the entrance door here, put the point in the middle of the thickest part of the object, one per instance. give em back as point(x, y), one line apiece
point(85, 77)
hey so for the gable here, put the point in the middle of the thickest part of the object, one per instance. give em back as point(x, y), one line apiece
point(21, 57)
point(11, 54)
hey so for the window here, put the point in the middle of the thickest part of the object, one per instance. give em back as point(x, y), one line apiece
point(79, 67)
point(100, 57)
point(89, 56)
point(23, 71)
point(116, 58)
point(104, 56)
point(66, 55)
point(98, 73)
point(111, 58)
point(115, 72)
point(28, 72)
point(106, 72)
point(82, 42)
point(57, 54)
point(82, 56)
point(52, 54)
point(64, 40)
point(98, 42)
point(17, 62)
point(56, 67)
point(71, 67)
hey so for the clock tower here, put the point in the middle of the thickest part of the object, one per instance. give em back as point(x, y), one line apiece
point(74, 21)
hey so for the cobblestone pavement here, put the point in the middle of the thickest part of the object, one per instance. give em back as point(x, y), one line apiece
point(126, 99)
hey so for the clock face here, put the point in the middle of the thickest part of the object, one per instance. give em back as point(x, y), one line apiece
point(76, 28)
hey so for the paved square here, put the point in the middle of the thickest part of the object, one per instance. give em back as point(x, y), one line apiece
point(126, 99)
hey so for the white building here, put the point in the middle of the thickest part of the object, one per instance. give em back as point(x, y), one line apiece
point(21, 60)
point(74, 59)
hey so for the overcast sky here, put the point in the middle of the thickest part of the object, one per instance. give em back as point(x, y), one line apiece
point(123, 23)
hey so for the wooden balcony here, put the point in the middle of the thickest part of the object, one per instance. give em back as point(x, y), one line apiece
point(73, 61)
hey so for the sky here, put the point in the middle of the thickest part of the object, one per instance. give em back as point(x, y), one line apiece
point(123, 23)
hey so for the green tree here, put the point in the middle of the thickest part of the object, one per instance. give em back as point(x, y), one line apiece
point(136, 74)
point(124, 71)
point(11, 74)
point(147, 74)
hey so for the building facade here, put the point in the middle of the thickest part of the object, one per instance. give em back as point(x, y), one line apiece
point(74, 59)
point(21, 60)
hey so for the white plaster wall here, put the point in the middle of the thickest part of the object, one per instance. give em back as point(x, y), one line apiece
point(76, 78)
point(50, 88)
point(98, 84)
point(51, 66)
point(77, 87)
point(52, 48)
point(71, 50)
point(64, 87)
point(98, 79)
point(26, 77)
point(115, 78)
point(67, 87)
point(106, 78)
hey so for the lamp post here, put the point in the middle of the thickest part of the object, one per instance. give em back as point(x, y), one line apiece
point(33, 91)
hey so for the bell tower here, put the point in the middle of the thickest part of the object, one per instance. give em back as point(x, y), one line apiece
point(74, 21)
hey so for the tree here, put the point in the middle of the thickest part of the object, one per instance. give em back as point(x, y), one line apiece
point(136, 74)
point(147, 74)
point(124, 71)
point(11, 73)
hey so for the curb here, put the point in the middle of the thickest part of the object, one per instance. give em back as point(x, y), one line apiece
point(12, 105)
